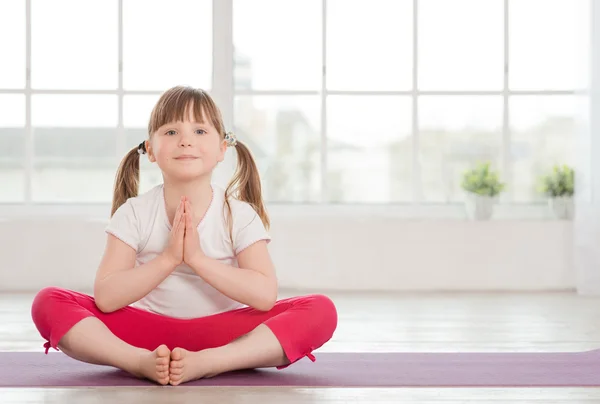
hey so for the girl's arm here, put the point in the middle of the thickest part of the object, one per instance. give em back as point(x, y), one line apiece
point(119, 283)
point(254, 283)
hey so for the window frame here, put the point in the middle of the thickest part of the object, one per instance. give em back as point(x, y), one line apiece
point(224, 93)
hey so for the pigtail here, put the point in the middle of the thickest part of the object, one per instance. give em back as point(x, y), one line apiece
point(127, 180)
point(245, 185)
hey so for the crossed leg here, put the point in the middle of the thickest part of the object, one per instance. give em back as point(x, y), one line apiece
point(168, 350)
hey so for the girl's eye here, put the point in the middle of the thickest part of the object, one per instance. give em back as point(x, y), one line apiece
point(200, 131)
point(171, 132)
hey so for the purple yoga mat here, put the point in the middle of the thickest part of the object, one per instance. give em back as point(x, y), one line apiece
point(576, 369)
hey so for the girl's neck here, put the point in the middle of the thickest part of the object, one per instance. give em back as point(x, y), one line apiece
point(199, 192)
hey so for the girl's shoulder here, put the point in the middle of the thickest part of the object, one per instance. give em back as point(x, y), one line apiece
point(153, 194)
point(133, 220)
point(246, 225)
point(141, 207)
point(147, 199)
point(239, 208)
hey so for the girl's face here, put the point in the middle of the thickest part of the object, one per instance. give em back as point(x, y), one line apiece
point(185, 150)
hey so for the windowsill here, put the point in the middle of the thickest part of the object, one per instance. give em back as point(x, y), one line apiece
point(101, 212)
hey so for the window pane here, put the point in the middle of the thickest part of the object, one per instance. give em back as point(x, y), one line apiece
point(283, 133)
point(543, 133)
point(378, 56)
point(12, 170)
point(136, 114)
point(74, 44)
point(461, 44)
point(278, 44)
point(369, 149)
point(137, 110)
point(12, 25)
point(13, 110)
point(74, 147)
point(456, 132)
point(548, 43)
point(12, 147)
point(74, 110)
point(167, 43)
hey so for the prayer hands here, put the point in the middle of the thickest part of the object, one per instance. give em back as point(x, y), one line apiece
point(191, 244)
point(174, 250)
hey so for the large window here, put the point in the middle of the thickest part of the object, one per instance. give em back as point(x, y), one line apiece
point(95, 71)
point(341, 101)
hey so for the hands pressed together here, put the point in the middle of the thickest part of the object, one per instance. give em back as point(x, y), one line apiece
point(184, 243)
point(252, 283)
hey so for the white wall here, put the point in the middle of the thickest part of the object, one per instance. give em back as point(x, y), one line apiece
point(320, 251)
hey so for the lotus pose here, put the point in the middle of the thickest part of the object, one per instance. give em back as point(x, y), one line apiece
point(186, 287)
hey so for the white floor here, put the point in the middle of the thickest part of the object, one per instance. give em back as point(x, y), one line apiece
point(376, 322)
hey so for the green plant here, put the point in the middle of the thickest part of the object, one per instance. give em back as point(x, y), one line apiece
point(482, 180)
point(560, 182)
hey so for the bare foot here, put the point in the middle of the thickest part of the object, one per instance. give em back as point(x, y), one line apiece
point(155, 365)
point(186, 366)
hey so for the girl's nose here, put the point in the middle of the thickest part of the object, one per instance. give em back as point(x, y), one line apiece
point(186, 140)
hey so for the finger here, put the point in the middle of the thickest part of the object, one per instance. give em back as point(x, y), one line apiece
point(177, 219)
point(188, 221)
point(181, 229)
point(193, 221)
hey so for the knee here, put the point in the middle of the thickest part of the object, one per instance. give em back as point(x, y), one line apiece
point(49, 293)
point(44, 300)
point(324, 313)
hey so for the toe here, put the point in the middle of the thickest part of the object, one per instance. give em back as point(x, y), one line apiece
point(177, 354)
point(176, 365)
point(174, 379)
point(164, 361)
point(162, 351)
point(176, 371)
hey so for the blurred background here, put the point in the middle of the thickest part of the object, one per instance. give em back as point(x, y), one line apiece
point(363, 116)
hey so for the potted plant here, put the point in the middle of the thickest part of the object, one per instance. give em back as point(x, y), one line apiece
point(483, 186)
point(559, 186)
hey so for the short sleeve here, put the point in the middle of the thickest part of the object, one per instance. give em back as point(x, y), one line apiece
point(124, 225)
point(248, 228)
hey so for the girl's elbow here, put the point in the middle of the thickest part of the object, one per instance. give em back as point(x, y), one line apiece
point(268, 302)
point(103, 304)
point(103, 307)
point(267, 305)
point(263, 306)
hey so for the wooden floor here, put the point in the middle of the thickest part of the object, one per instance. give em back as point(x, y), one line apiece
point(375, 322)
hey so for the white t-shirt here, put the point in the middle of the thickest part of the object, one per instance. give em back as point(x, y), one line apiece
point(142, 223)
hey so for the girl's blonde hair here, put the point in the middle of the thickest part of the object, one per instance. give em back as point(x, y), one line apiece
point(173, 106)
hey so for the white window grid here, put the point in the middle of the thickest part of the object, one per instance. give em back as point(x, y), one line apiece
point(224, 92)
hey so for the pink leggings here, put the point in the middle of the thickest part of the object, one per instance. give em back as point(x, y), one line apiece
point(301, 324)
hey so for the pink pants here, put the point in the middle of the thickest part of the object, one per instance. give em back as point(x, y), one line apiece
point(301, 324)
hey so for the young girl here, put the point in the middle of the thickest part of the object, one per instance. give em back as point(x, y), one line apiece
point(186, 288)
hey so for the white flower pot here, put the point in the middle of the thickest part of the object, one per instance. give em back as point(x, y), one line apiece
point(479, 207)
point(562, 207)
